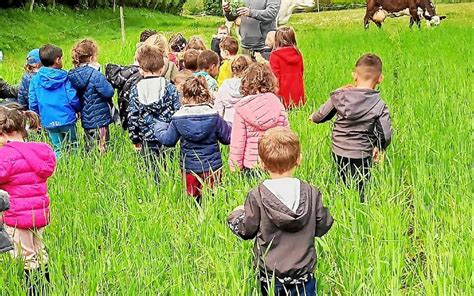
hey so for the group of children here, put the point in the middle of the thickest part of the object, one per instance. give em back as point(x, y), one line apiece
point(178, 91)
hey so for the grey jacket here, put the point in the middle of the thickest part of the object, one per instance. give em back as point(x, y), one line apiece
point(362, 122)
point(284, 243)
point(262, 19)
point(5, 242)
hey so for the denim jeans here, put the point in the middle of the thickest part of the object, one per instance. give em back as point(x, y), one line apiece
point(63, 137)
point(304, 289)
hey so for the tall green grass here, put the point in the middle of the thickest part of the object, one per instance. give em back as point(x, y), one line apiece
point(113, 232)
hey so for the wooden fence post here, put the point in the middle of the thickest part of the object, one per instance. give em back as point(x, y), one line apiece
point(122, 21)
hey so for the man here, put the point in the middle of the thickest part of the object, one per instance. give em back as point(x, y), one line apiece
point(257, 19)
point(8, 93)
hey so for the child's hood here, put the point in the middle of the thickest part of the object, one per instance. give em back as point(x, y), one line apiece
point(289, 55)
point(39, 156)
point(195, 122)
point(233, 86)
point(51, 78)
point(262, 111)
point(151, 89)
point(80, 77)
point(354, 103)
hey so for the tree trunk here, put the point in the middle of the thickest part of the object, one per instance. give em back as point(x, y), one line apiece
point(32, 5)
point(122, 22)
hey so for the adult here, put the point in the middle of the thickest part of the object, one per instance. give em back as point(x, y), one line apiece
point(8, 93)
point(258, 18)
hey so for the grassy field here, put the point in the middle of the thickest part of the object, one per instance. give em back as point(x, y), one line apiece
point(114, 233)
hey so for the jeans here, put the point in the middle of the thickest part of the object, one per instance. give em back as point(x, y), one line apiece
point(304, 289)
point(354, 170)
point(63, 137)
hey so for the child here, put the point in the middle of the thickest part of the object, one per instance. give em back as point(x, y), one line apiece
point(177, 43)
point(144, 35)
point(170, 69)
point(229, 93)
point(5, 242)
point(33, 64)
point(24, 170)
point(258, 111)
point(229, 47)
point(222, 32)
point(200, 129)
point(181, 78)
point(191, 60)
point(208, 67)
point(195, 43)
point(286, 62)
point(54, 99)
point(284, 214)
point(362, 128)
point(95, 94)
point(153, 99)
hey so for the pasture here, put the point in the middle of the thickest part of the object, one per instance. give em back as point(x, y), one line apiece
point(113, 232)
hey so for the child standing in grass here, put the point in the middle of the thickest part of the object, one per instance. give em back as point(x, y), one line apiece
point(52, 96)
point(286, 62)
point(222, 33)
point(208, 67)
point(170, 68)
point(33, 64)
point(284, 214)
point(362, 128)
point(200, 129)
point(24, 170)
point(95, 94)
point(258, 111)
point(229, 47)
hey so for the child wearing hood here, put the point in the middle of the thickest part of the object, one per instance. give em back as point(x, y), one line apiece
point(284, 214)
point(362, 128)
point(33, 64)
point(286, 62)
point(94, 92)
point(24, 170)
point(52, 96)
point(258, 111)
point(200, 129)
point(229, 93)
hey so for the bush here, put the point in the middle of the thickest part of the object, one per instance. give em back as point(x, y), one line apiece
point(213, 7)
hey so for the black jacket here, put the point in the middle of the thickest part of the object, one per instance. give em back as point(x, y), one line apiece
point(5, 242)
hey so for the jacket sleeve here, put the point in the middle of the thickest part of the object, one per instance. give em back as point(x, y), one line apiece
point(7, 91)
point(5, 167)
point(72, 96)
point(237, 143)
point(230, 17)
point(23, 93)
point(246, 223)
point(104, 88)
point(218, 103)
point(117, 75)
point(32, 97)
point(275, 66)
point(269, 13)
point(324, 219)
point(223, 131)
point(4, 201)
point(383, 129)
point(325, 112)
point(176, 99)
point(166, 134)
point(133, 115)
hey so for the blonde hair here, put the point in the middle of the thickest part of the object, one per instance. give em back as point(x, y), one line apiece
point(279, 149)
point(239, 64)
point(160, 42)
point(83, 51)
point(196, 91)
point(13, 119)
point(195, 43)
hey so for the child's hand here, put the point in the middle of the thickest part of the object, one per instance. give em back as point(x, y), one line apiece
point(138, 147)
point(239, 208)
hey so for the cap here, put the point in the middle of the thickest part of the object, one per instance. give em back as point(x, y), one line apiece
point(33, 57)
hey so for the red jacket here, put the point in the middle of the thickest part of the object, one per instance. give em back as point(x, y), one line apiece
point(287, 65)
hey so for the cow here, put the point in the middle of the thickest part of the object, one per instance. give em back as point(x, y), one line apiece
point(394, 8)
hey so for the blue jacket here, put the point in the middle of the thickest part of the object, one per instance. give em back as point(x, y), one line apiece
point(53, 98)
point(95, 94)
point(200, 129)
point(24, 89)
point(153, 99)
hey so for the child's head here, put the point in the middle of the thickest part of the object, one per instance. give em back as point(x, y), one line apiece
point(208, 61)
point(279, 150)
point(33, 61)
point(229, 47)
point(285, 36)
point(85, 51)
point(191, 59)
point(196, 91)
point(144, 35)
point(150, 60)
point(160, 42)
point(368, 71)
point(195, 43)
point(239, 64)
point(270, 39)
point(222, 32)
point(13, 122)
point(258, 79)
point(51, 56)
point(177, 42)
point(181, 78)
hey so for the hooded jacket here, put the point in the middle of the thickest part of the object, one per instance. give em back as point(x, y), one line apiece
point(170, 70)
point(227, 96)
point(53, 98)
point(362, 122)
point(153, 99)
point(23, 90)
point(284, 239)
point(5, 242)
point(287, 65)
point(262, 19)
point(253, 116)
point(200, 129)
point(123, 78)
point(24, 170)
point(95, 94)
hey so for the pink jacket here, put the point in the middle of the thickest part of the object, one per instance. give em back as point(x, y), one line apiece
point(24, 170)
point(253, 116)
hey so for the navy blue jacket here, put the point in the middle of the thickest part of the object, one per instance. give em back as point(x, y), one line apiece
point(24, 90)
point(200, 129)
point(95, 94)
